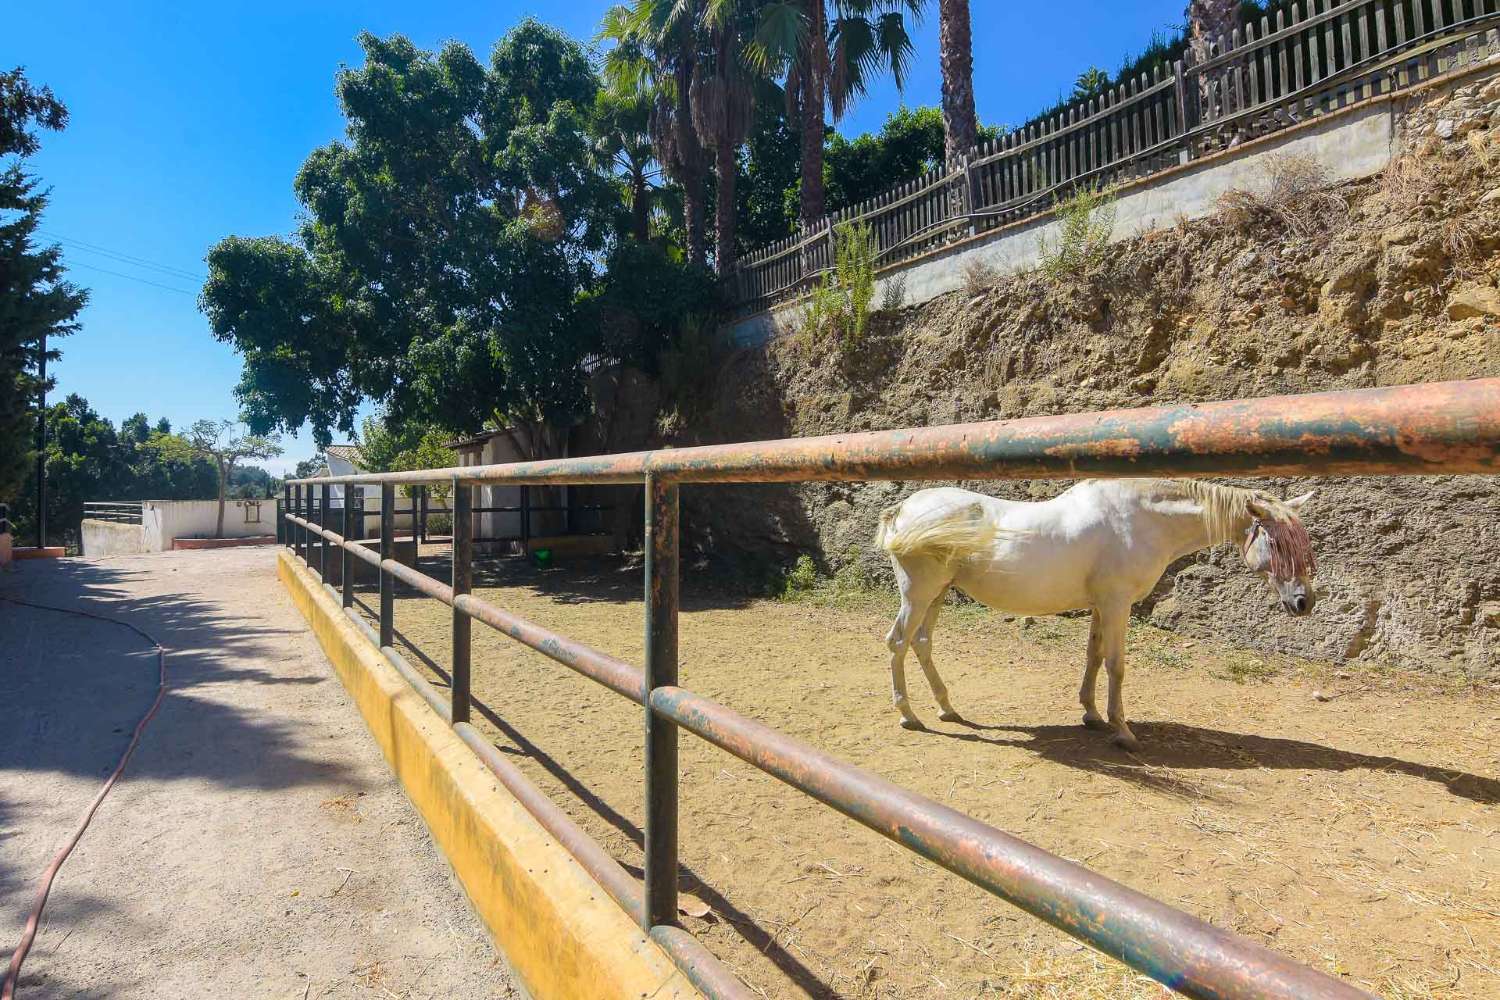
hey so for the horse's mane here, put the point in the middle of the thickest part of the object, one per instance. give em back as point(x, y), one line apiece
point(1226, 507)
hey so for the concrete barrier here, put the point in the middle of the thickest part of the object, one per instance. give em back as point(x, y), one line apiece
point(561, 934)
point(110, 538)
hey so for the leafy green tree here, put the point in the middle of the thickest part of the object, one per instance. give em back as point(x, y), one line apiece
point(88, 459)
point(36, 302)
point(221, 443)
point(447, 241)
point(389, 447)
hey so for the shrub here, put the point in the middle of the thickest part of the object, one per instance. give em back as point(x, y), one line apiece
point(1298, 198)
point(1087, 220)
point(839, 306)
point(979, 277)
point(801, 579)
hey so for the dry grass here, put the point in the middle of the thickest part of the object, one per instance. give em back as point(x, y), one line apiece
point(979, 277)
point(1298, 196)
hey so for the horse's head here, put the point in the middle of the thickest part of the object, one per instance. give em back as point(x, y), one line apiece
point(1277, 545)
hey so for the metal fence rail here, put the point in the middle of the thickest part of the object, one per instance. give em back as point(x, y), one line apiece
point(1268, 75)
point(1440, 428)
point(123, 512)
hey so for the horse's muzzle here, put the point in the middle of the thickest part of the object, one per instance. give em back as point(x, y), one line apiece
point(1298, 605)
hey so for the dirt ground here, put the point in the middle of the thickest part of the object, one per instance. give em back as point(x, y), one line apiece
point(257, 846)
point(1346, 817)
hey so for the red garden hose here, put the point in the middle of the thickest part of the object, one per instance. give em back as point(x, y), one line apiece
point(34, 918)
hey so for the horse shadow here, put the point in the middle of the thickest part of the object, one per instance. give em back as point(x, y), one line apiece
point(1177, 746)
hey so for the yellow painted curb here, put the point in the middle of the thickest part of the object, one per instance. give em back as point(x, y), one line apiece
point(561, 934)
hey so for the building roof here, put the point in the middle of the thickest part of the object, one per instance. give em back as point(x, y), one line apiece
point(351, 453)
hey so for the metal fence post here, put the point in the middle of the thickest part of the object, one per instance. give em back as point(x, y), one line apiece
point(525, 521)
point(387, 548)
point(661, 734)
point(346, 559)
point(422, 524)
point(296, 529)
point(463, 582)
point(323, 539)
point(282, 510)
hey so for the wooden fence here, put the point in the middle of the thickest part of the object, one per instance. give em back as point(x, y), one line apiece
point(1320, 56)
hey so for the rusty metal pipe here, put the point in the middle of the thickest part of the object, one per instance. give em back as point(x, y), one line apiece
point(695, 961)
point(1438, 428)
point(615, 674)
point(353, 548)
point(1180, 951)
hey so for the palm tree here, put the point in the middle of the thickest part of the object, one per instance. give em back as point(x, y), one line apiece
point(723, 105)
point(622, 145)
point(831, 48)
point(956, 45)
point(1207, 22)
point(655, 57)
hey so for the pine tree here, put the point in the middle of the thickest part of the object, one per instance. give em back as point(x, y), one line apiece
point(36, 303)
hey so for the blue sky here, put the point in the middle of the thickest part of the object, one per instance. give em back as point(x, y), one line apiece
point(189, 121)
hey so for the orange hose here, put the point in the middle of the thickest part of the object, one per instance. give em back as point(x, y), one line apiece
point(34, 918)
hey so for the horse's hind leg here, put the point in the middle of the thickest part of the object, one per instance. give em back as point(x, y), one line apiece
point(923, 647)
point(921, 581)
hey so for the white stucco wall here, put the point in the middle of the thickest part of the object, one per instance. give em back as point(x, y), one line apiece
point(162, 521)
point(110, 538)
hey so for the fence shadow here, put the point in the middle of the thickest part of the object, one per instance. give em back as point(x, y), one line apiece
point(753, 933)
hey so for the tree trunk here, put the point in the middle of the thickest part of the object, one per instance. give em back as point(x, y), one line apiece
point(640, 220)
point(1208, 22)
point(692, 211)
point(956, 39)
point(223, 489)
point(814, 90)
point(726, 165)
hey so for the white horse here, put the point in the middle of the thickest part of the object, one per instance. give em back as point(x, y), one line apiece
point(1102, 545)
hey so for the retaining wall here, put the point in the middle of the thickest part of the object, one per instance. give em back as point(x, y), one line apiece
point(561, 934)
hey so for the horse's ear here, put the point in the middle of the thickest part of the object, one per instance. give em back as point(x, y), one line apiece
point(1258, 510)
point(1296, 502)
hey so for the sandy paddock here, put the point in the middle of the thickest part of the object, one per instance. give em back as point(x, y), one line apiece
point(1347, 818)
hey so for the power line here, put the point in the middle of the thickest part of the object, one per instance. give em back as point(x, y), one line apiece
point(130, 277)
point(123, 258)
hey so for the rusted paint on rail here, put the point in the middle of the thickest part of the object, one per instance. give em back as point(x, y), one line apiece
point(1438, 428)
point(1178, 950)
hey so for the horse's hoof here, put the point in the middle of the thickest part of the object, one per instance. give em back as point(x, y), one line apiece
point(1096, 722)
point(915, 725)
point(951, 717)
point(1127, 743)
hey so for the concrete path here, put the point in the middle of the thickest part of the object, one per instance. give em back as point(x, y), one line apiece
point(257, 845)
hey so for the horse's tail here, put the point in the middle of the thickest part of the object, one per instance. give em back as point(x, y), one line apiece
point(947, 534)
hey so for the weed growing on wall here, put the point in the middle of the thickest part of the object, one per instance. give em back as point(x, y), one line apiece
point(1087, 220)
point(839, 307)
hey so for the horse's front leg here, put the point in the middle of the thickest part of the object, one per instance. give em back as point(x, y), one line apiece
point(1095, 656)
point(1112, 622)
